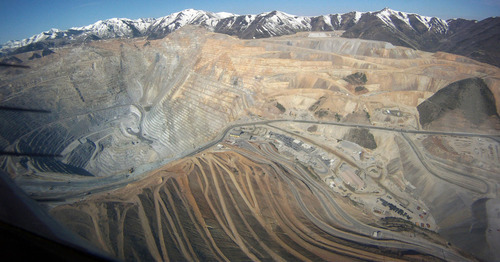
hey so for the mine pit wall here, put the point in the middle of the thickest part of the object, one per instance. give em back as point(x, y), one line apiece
point(454, 209)
point(123, 88)
point(203, 109)
point(343, 46)
point(194, 106)
point(144, 97)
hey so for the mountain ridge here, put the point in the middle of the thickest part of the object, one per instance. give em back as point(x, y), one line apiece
point(400, 28)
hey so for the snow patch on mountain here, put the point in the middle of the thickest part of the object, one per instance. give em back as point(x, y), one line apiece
point(357, 16)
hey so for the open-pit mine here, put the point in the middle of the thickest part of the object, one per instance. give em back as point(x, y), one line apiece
point(202, 146)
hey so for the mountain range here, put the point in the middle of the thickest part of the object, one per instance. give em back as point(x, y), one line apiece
point(471, 38)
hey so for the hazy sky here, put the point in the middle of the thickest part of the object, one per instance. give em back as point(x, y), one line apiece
point(23, 18)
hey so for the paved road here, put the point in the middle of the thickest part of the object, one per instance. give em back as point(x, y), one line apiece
point(409, 131)
point(77, 190)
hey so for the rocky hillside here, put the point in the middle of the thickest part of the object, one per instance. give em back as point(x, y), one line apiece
point(468, 103)
point(465, 37)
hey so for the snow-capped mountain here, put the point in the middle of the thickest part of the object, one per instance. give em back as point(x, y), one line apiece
point(399, 28)
point(51, 34)
point(104, 29)
point(165, 25)
point(417, 22)
point(118, 28)
point(268, 24)
point(115, 27)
